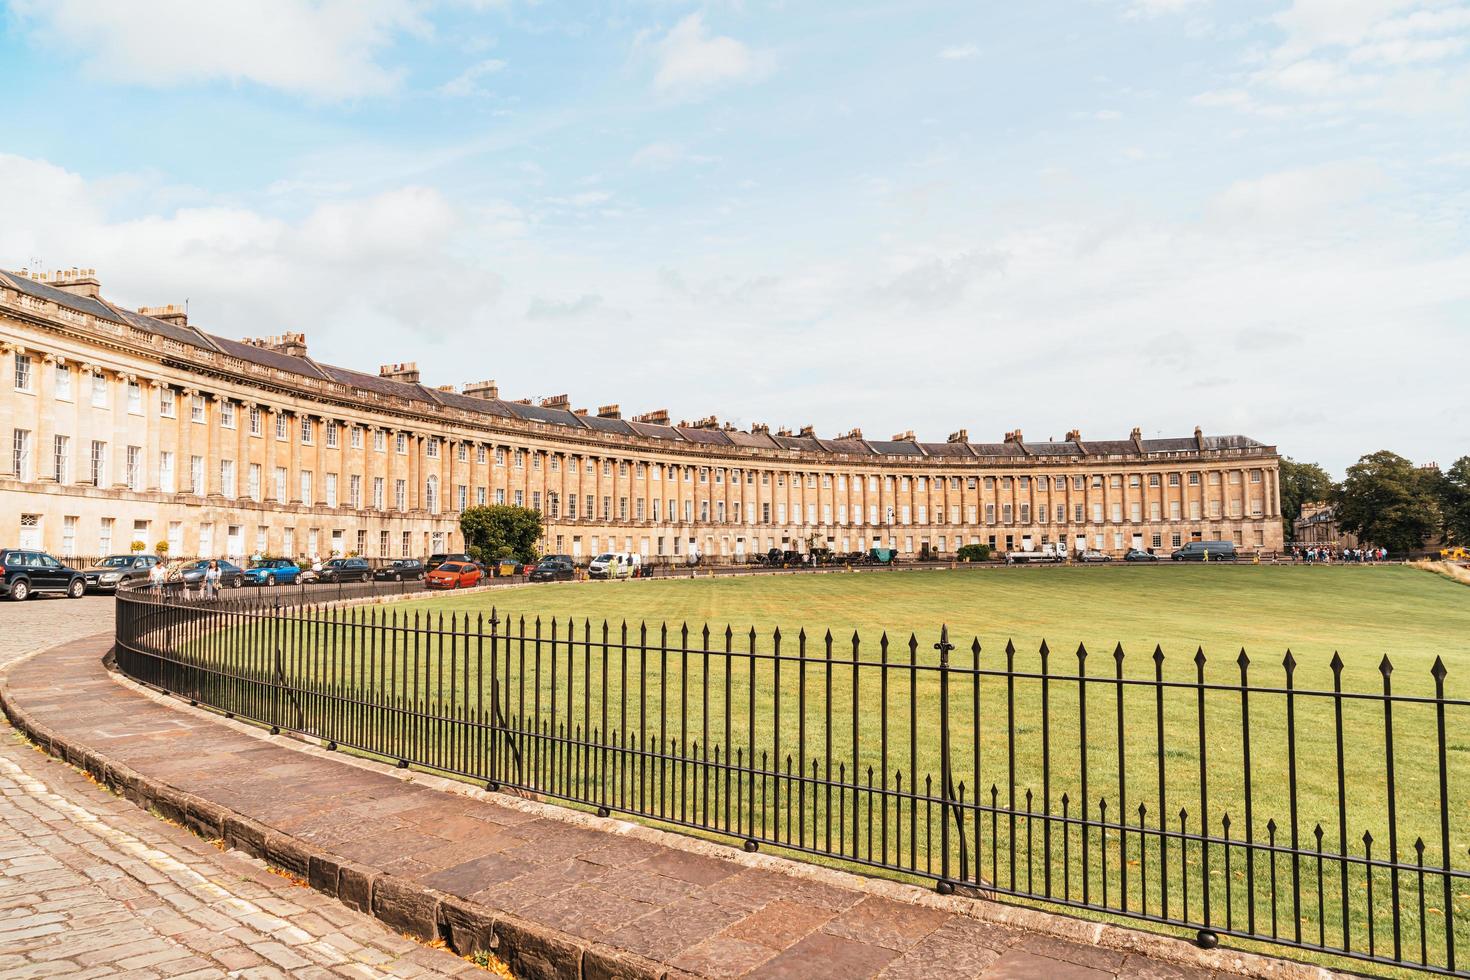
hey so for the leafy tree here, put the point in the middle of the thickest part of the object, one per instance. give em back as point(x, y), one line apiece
point(1385, 500)
point(1301, 484)
point(501, 531)
point(1454, 501)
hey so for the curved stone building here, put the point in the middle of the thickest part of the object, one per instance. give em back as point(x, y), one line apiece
point(124, 425)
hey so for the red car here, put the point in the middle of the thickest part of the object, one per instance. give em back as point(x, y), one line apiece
point(453, 575)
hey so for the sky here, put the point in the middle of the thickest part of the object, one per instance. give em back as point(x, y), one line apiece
point(1246, 215)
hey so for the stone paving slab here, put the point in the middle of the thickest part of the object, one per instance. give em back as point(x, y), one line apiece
point(555, 894)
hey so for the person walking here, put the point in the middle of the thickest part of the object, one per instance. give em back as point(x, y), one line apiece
point(156, 576)
point(211, 580)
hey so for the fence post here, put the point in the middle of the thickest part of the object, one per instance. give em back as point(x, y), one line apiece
point(945, 885)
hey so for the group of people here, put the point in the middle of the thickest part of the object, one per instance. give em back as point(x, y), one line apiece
point(1325, 556)
point(163, 574)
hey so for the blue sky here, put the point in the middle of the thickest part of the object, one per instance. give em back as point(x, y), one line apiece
point(1249, 216)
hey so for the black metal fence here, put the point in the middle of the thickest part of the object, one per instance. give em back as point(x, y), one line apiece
point(1321, 806)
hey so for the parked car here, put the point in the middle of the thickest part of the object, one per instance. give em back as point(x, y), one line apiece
point(27, 573)
point(436, 560)
point(1205, 551)
point(507, 566)
point(1093, 555)
point(231, 576)
point(562, 558)
point(1138, 554)
point(453, 575)
point(553, 570)
point(399, 569)
point(114, 570)
point(347, 570)
point(273, 571)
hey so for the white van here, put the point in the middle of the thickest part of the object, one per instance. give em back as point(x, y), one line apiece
point(603, 566)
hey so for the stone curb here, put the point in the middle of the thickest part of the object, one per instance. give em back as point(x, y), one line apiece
point(534, 951)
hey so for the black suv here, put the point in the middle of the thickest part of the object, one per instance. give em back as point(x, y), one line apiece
point(347, 570)
point(400, 569)
point(27, 573)
point(115, 570)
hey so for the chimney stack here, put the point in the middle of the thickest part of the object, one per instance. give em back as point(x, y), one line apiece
point(659, 416)
point(407, 372)
point(760, 428)
point(903, 436)
point(808, 432)
point(557, 401)
point(293, 344)
point(78, 282)
point(609, 412)
point(168, 314)
point(854, 434)
point(1199, 438)
point(962, 435)
point(487, 390)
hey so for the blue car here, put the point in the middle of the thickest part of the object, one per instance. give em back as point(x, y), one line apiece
point(273, 571)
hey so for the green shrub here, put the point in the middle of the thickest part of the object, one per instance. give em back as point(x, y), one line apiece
point(974, 552)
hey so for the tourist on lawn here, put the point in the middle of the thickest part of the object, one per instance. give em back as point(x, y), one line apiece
point(211, 580)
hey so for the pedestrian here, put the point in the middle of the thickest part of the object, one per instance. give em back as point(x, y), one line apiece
point(156, 577)
point(211, 580)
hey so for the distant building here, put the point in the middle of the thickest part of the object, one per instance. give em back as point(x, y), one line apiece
point(138, 427)
point(1317, 528)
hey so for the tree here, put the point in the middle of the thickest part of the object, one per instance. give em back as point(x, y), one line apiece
point(1301, 484)
point(1385, 500)
point(1454, 501)
point(501, 531)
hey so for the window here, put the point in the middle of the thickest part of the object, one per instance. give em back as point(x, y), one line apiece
point(400, 443)
point(380, 444)
point(281, 476)
point(60, 457)
point(99, 391)
point(227, 414)
point(63, 382)
point(1025, 513)
point(500, 459)
point(462, 497)
point(1153, 479)
point(135, 468)
point(306, 484)
point(356, 440)
point(500, 499)
point(400, 495)
point(20, 454)
point(331, 488)
point(252, 481)
point(255, 427)
point(282, 431)
point(104, 535)
point(167, 400)
point(98, 474)
point(305, 430)
point(332, 435)
point(227, 477)
point(382, 544)
point(354, 491)
point(68, 537)
point(196, 474)
point(404, 545)
point(23, 372)
point(1255, 476)
point(520, 499)
point(378, 495)
point(1194, 479)
point(990, 513)
point(135, 398)
point(480, 455)
point(431, 448)
point(431, 494)
point(1005, 513)
point(196, 409)
point(463, 453)
point(1173, 479)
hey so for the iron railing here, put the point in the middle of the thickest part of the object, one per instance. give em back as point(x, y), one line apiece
point(1322, 809)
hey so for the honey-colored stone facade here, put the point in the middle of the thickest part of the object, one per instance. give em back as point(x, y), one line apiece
point(119, 426)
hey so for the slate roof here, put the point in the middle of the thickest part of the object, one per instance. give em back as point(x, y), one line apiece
point(307, 367)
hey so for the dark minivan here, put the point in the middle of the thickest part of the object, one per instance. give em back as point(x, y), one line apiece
point(1205, 551)
point(27, 573)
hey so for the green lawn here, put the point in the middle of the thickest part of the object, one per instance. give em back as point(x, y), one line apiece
point(836, 720)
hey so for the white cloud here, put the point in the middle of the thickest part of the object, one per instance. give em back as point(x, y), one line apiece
point(959, 52)
point(326, 49)
point(1159, 8)
point(467, 82)
point(664, 155)
point(691, 61)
